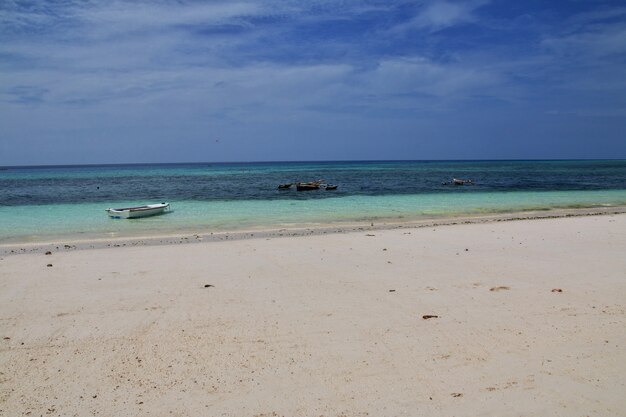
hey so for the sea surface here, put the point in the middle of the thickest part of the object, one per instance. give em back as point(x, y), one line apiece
point(39, 203)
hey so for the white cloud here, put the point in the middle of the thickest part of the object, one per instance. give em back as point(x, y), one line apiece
point(255, 92)
point(131, 17)
point(441, 14)
point(598, 41)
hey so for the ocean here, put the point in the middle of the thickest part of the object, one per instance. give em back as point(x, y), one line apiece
point(39, 203)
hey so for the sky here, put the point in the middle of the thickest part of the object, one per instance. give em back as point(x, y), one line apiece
point(87, 82)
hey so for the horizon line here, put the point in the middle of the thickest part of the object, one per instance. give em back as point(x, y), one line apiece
point(302, 161)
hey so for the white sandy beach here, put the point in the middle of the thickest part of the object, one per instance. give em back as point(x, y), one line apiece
point(327, 325)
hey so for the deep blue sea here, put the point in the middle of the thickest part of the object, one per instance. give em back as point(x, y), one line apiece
point(41, 202)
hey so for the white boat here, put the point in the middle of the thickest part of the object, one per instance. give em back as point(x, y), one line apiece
point(139, 211)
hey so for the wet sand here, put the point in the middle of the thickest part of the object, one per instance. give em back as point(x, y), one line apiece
point(529, 319)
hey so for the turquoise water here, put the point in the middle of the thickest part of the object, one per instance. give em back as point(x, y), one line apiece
point(37, 222)
point(40, 203)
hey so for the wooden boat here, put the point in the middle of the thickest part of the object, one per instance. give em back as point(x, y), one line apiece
point(139, 211)
point(330, 187)
point(285, 186)
point(307, 186)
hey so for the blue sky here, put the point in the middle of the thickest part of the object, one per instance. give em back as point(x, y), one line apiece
point(188, 81)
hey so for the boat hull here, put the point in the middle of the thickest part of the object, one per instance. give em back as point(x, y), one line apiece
point(461, 182)
point(307, 186)
point(138, 212)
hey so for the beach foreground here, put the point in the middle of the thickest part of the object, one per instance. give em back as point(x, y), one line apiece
point(529, 320)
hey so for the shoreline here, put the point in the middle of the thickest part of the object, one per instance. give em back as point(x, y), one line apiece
point(76, 242)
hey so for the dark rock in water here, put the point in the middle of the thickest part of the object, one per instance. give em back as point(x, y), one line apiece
point(429, 316)
point(48, 253)
point(49, 265)
point(208, 285)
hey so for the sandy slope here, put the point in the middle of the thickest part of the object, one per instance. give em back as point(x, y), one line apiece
point(325, 325)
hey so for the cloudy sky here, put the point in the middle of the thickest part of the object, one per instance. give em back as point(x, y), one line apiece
point(253, 80)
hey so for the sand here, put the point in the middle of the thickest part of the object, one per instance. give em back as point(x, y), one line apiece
point(324, 325)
